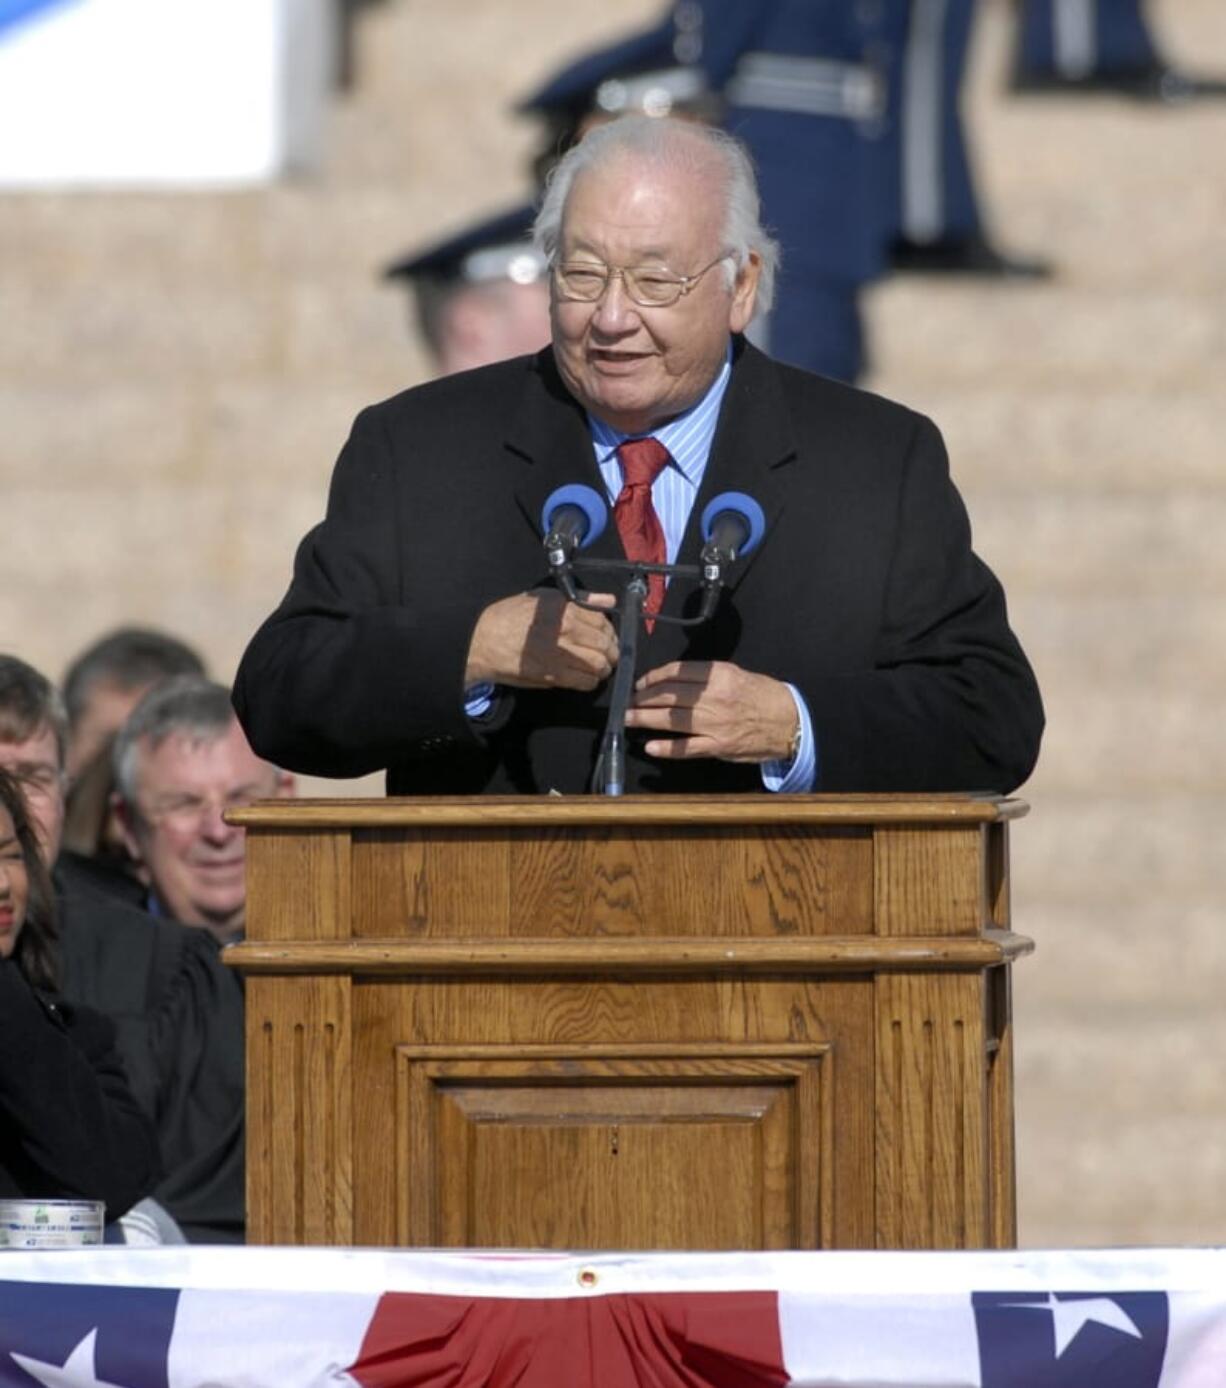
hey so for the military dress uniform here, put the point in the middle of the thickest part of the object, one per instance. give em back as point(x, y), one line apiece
point(931, 195)
point(805, 88)
point(494, 250)
point(1074, 40)
point(1098, 45)
point(933, 213)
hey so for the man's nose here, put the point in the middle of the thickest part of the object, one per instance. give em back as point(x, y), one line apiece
point(213, 826)
point(614, 307)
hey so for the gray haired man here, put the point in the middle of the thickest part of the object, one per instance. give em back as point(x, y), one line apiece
point(182, 761)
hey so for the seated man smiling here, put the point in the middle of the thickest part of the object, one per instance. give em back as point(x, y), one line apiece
point(181, 761)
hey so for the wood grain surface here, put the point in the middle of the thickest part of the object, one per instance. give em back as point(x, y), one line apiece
point(704, 1026)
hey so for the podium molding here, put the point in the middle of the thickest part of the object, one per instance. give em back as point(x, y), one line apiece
point(744, 1022)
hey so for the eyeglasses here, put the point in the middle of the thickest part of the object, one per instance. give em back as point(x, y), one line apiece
point(186, 813)
point(647, 285)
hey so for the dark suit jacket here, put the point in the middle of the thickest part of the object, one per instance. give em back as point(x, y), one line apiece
point(178, 1017)
point(864, 594)
point(69, 1126)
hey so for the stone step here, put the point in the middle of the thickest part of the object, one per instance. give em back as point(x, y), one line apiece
point(1060, 336)
point(1094, 644)
point(1137, 742)
point(1112, 543)
point(1111, 192)
point(1085, 1182)
point(1120, 1062)
point(289, 231)
point(118, 329)
point(1106, 964)
point(438, 86)
point(1094, 437)
point(1106, 848)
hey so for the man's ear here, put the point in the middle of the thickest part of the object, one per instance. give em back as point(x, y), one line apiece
point(745, 293)
point(125, 818)
point(287, 785)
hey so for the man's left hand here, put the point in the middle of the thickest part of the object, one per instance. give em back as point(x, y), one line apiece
point(714, 709)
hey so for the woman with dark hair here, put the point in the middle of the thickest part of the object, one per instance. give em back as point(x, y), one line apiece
point(69, 1126)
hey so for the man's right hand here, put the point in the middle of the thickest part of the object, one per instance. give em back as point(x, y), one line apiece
point(542, 641)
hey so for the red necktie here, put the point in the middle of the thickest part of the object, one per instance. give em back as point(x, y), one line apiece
point(636, 518)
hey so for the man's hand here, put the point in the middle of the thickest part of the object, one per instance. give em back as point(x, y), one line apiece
point(542, 641)
point(716, 710)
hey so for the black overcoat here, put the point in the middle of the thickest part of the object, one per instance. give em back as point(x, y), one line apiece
point(865, 594)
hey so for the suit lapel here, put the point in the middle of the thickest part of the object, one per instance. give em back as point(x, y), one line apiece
point(551, 446)
point(753, 444)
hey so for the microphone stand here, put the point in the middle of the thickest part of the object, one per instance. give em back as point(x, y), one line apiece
point(612, 759)
point(609, 775)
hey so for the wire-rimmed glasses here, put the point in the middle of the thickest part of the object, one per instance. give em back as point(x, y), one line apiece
point(649, 286)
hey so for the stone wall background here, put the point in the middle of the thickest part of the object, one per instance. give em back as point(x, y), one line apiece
point(177, 373)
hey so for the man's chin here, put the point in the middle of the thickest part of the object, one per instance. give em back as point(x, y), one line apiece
point(223, 915)
point(625, 404)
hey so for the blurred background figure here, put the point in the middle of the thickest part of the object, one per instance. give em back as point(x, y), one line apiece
point(107, 680)
point(654, 72)
point(933, 214)
point(70, 1128)
point(1098, 46)
point(102, 685)
point(177, 1011)
point(481, 295)
point(182, 761)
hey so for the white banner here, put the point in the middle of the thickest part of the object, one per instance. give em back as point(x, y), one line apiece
point(275, 1318)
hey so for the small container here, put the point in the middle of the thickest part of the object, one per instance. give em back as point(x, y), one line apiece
point(51, 1223)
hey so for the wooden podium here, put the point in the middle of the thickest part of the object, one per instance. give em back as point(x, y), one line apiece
point(749, 1022)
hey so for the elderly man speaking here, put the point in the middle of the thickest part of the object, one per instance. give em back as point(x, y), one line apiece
point(862, 646)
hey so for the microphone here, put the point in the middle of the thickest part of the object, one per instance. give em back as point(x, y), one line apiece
point(732, 526)
point(572, 518)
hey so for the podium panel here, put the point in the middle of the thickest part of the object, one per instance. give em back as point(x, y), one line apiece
point(620, 1144)
point(746, 1023)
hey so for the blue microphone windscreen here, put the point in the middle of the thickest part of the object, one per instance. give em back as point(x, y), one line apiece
point(740, 505)
point(587, 499)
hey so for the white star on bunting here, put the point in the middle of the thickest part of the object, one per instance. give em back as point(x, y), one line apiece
point(79, 1370)
point(1069, 1316)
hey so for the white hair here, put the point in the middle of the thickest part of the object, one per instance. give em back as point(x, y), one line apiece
point(683, 146)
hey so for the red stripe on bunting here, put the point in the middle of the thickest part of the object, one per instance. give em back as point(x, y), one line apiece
point(665, 1340)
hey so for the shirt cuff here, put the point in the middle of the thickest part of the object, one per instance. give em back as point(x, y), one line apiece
point(479, 700)
point(800, 774)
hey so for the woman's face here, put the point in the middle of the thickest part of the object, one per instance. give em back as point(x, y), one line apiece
point(14, 885)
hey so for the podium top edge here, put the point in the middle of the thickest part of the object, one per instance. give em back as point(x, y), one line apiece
point(491, 811)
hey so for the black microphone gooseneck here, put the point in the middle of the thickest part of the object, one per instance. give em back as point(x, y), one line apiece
point(610, 774)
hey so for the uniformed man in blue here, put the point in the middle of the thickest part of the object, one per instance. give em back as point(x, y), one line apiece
point(650, 73)
point(480, 295)
point(1098, 45)
point(806, 90)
